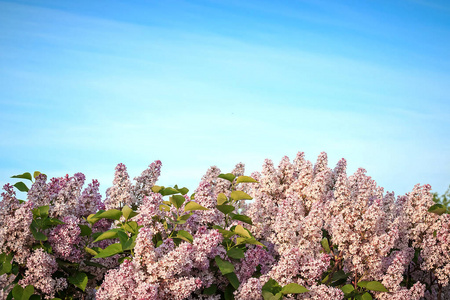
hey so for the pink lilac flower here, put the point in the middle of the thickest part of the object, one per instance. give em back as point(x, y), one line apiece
point(90, 200)
point(249, 290)
point(15, 221)
point(65, 239)
point(40, 268)
point(146, 181)
point(120, 194)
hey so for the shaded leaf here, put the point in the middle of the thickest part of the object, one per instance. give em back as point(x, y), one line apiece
point(272, 286)
point(39, 236)
point(438, 209)
point(232, 278)
point(85, 230)
point(110, 251)
point(20, 293)
point(235, 253)
point(225, 267)
point(211, 290)
point(224, 208)
point(79, 280)
point(242, 218)
point(366, 296)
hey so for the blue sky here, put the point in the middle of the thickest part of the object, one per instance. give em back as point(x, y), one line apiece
point(85, 85)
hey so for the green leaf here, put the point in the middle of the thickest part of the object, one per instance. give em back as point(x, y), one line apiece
point(90, 251)
point(438, 209)
point(168, 191)
point(110, 251)
point(126, 212)
point(228, 294)
point(232, 278)
point(228, 176)
point(221, 199)
point(112, 214)
point(130, 243)
point(293, 288)
point(325, 245)
point(235, 253)
point(269, 296)
point(339, 275)
point(363, 284)
point(79, 280)
point(376, 286)
point(183, 190)
point(123, 237)
point(36, 174)
point(251, 241)
point(242, 232)
point(245, 179)
point(347, 289)
point(93, 264)
point(39, 236)
point(366, 296)
point(272, 286)
point(43, 211)
point(20, 293)
point(184, 217)
point(157, 188)
point(191, 205)
point(21, 186)
point(243, 218)
point(110, 234)
point(85, 230)
point(225, 267)
point(211, 290)
point(131, 226)
point(25, 175)
point(240, 195)
point(6, 267)
point(49, 222)
point(224, 208)
point(225, 233)
point(37, 297)
point(164, 207)
point(177, 200)
point(184, 235)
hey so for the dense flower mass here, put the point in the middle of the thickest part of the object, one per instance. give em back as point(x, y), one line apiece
point(308, 232)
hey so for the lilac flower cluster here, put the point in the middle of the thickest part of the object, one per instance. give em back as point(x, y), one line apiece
point(311, 226)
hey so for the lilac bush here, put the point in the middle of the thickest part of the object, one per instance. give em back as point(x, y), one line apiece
point(294, 231)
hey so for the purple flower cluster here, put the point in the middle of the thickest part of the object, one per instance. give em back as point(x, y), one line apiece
point(314, 222)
